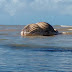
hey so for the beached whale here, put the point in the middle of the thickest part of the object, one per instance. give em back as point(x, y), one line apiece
point(38, 29)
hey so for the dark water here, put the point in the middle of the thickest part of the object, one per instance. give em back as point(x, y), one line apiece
point(35, 54)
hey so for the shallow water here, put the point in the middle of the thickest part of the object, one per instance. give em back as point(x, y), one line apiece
point(35, 54)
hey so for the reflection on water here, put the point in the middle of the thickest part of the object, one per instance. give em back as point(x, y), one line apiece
point(36, 53)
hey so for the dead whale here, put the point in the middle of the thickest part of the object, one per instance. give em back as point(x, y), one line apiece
point(38, 29)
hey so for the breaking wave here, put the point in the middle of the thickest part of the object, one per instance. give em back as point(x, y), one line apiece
point(65, 26)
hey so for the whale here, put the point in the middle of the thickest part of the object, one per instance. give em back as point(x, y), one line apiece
point(39, 29)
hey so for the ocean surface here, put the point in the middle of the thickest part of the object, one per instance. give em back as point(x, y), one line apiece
point(35, 53)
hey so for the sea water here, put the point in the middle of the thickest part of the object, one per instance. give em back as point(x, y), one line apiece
point(35, 53)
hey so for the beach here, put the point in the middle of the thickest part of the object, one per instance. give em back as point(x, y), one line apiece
point(35, 53)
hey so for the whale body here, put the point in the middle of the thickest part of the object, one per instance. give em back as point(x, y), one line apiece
point(40, 28)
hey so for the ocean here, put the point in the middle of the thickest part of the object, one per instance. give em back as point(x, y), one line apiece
point(35, 53)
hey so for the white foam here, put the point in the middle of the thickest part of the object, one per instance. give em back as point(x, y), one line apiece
point(69, 29)
point(65, 32)
point(65, 26)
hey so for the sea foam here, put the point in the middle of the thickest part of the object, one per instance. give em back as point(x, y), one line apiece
point(66, 26)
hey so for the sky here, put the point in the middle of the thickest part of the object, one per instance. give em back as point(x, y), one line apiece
point(23, 12)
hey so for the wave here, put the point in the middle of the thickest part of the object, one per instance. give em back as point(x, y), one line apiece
point(37, 47)
point(65, 26)
point(70, 29)
point(64, 29)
